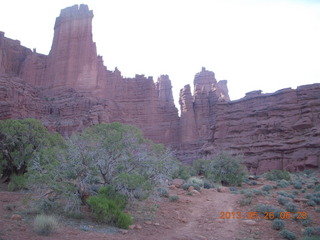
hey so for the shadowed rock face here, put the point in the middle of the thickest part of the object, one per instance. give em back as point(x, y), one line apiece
point(71, 89)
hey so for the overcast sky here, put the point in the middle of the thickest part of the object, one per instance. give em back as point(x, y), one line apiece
point(254, 44)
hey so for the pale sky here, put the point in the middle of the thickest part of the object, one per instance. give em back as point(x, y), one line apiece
point(254, 44)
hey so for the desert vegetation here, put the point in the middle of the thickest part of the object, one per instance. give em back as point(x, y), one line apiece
point(111, 168)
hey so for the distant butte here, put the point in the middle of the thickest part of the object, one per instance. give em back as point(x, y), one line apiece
point(70, 89)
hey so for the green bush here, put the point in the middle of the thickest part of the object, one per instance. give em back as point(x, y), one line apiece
point(106, 210)
point(110, 193)
point(186, 186)
point(207, 184)
point(17, 183)
point(275, 175)
point(286, 194)
point(267, 188)
point(283, 183)
point(262, 208)
point(283, 200)
point(317, 188)
point(288, 234)
point(278, 224)
point(195, 181)
point(44, 225)
point(246, 200)
point(223, 168)
point(291, 207)
point(297, 185)
point(163, 192)
point(309, 231)
point(311, 203)
point(173, 198)
point(183, 171)
point(306, 222)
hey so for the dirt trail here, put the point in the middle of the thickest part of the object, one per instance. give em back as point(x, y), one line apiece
point(204, 223)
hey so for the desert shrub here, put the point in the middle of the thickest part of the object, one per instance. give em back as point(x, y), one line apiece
point(17, 183)
point(316, 199)
point(297, 185)
point(318, 210)
point(283, 200)
point(310, 185)
point(310, 231)
point(113, 154)
point(311, 203)
point(183, 171)
point(186, 186)
point(278, 224)
point(110, 193)
point(247, 192)
point(258, 192)
point(283, 183)
point(295, 193)
point(303, 190)
point(223, 168)
point(20, 142)
point(173, 198)
point(291, 207)
point(207, 184)
point(306, 222)
point(44, 225)
point(267, 188)
point(246, 200)
point(308, 196)
point(163, 192)
point(286, 194)
point(288, 234)
point(262, 208)
point(195, 181)
point(275, 175)
point(317, 188)
point(106, 210)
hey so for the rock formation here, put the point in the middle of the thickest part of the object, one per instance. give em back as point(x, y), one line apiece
point(70, 89)
point(272, 131)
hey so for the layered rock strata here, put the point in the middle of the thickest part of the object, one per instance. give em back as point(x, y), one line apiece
point(70, 89)
point(272, 131)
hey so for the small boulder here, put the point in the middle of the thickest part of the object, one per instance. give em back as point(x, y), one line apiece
point(223, 189)
point(177, 182)
point(16, 217)
point(132, 227)
point(191, 188)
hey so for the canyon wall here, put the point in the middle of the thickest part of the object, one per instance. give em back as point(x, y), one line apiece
point(71, 88)
point(272, 131)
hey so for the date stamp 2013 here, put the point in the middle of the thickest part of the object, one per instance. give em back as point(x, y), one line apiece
point(267, 215)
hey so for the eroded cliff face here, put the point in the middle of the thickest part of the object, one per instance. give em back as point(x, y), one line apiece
point(75, 89)
point(272, 131)
point(71, 89)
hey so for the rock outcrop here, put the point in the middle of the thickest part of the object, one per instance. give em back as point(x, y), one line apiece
point(272, 131)
point(70, 89)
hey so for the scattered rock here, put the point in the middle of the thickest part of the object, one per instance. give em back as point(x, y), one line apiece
point(156, 224)
point(195, 192)
point(16, 217)
point(191, 188)
point(138, 227)
point(250, 222)
point(223, 189)
point(177, 182)
point(132, 227)
point(122, 231)
point(148, 222)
